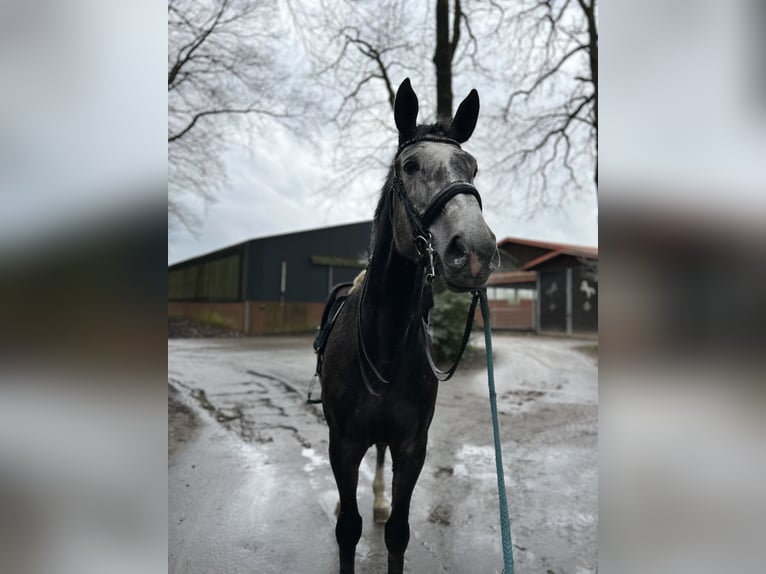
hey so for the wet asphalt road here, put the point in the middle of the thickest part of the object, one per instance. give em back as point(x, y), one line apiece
point(252, 491)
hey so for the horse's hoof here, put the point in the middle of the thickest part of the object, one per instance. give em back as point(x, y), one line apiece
point(381, 513)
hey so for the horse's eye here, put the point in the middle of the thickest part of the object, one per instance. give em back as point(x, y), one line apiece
point(475, 171)
point(411, 166)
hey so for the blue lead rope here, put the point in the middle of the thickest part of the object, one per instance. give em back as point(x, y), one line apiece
point(505, 522)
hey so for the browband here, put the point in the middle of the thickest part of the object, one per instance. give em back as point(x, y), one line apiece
point(427, 138)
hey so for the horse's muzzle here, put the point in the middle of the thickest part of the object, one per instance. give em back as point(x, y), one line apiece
point(468, 265)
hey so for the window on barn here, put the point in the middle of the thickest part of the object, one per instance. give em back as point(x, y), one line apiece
point(511, 295)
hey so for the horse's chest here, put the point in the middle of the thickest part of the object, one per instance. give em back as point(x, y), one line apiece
point(396, 416)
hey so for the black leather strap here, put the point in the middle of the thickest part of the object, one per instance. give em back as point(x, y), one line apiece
point(365, 362)
point(443, 197)
point(427, 138)
point(447, 375)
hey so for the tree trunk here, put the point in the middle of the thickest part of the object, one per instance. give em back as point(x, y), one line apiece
point(445, 50)
point(590, 14)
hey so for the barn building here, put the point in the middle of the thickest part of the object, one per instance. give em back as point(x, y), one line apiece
point(545, 287)
point(279, 284)
point(275, 284)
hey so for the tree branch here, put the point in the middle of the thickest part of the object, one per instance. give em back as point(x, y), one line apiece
point(232, 111)
point(195, 43)
point(542, 78)
point(375, 55)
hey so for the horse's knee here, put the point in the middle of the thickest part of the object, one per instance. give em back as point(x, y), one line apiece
point(348, 530)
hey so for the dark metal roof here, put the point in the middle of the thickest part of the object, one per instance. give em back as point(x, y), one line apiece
point(233, 248)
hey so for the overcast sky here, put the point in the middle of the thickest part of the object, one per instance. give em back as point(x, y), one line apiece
point(276, 181)
point(278, 189)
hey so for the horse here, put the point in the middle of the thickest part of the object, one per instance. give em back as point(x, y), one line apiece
point(378, 384)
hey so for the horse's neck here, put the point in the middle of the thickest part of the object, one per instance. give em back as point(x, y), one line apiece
point(393, 300)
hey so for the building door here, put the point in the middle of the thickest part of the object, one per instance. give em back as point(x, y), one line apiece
point(553, 301)
point(584, 302)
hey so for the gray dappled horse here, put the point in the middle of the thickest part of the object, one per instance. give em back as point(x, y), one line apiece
point(378, 385)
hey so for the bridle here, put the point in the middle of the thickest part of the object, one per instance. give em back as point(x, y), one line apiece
point(420, 227)
point(421, 223)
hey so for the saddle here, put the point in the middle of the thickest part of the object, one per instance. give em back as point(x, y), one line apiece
point(332, 309)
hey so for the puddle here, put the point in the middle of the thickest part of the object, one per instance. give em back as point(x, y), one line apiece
point(315, 460)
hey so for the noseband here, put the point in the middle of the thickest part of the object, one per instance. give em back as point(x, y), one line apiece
point(420, 224)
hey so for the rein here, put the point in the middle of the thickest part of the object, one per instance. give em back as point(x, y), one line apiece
point(419, 225)
point(505, 521)
point(447, 375)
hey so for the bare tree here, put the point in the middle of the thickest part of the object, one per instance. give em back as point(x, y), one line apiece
point(535, 62)
point(221, 71)
point(444, 53)
point(361, 51)
point(454, 24)
point(358, 53)
point(552, 110)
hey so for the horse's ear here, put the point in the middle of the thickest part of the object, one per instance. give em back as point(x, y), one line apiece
point(405, 110)
point(463, 124)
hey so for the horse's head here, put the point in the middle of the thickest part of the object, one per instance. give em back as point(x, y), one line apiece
point(429, 169)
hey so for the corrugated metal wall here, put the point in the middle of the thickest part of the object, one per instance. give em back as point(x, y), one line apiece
point(305, 280)
point(291, 268)
point(212, 280)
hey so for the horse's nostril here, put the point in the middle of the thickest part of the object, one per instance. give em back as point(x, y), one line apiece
point(457, 252)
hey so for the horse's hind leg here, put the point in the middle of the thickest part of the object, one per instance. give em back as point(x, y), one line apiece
point(407, 464)
point(344, 459)
point(380, 507)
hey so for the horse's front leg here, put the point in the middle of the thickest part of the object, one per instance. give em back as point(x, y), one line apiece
point(345, 457)
point(380, 507)
point(407, 463)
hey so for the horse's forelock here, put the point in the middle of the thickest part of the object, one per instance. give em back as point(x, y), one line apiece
point(437, 129)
